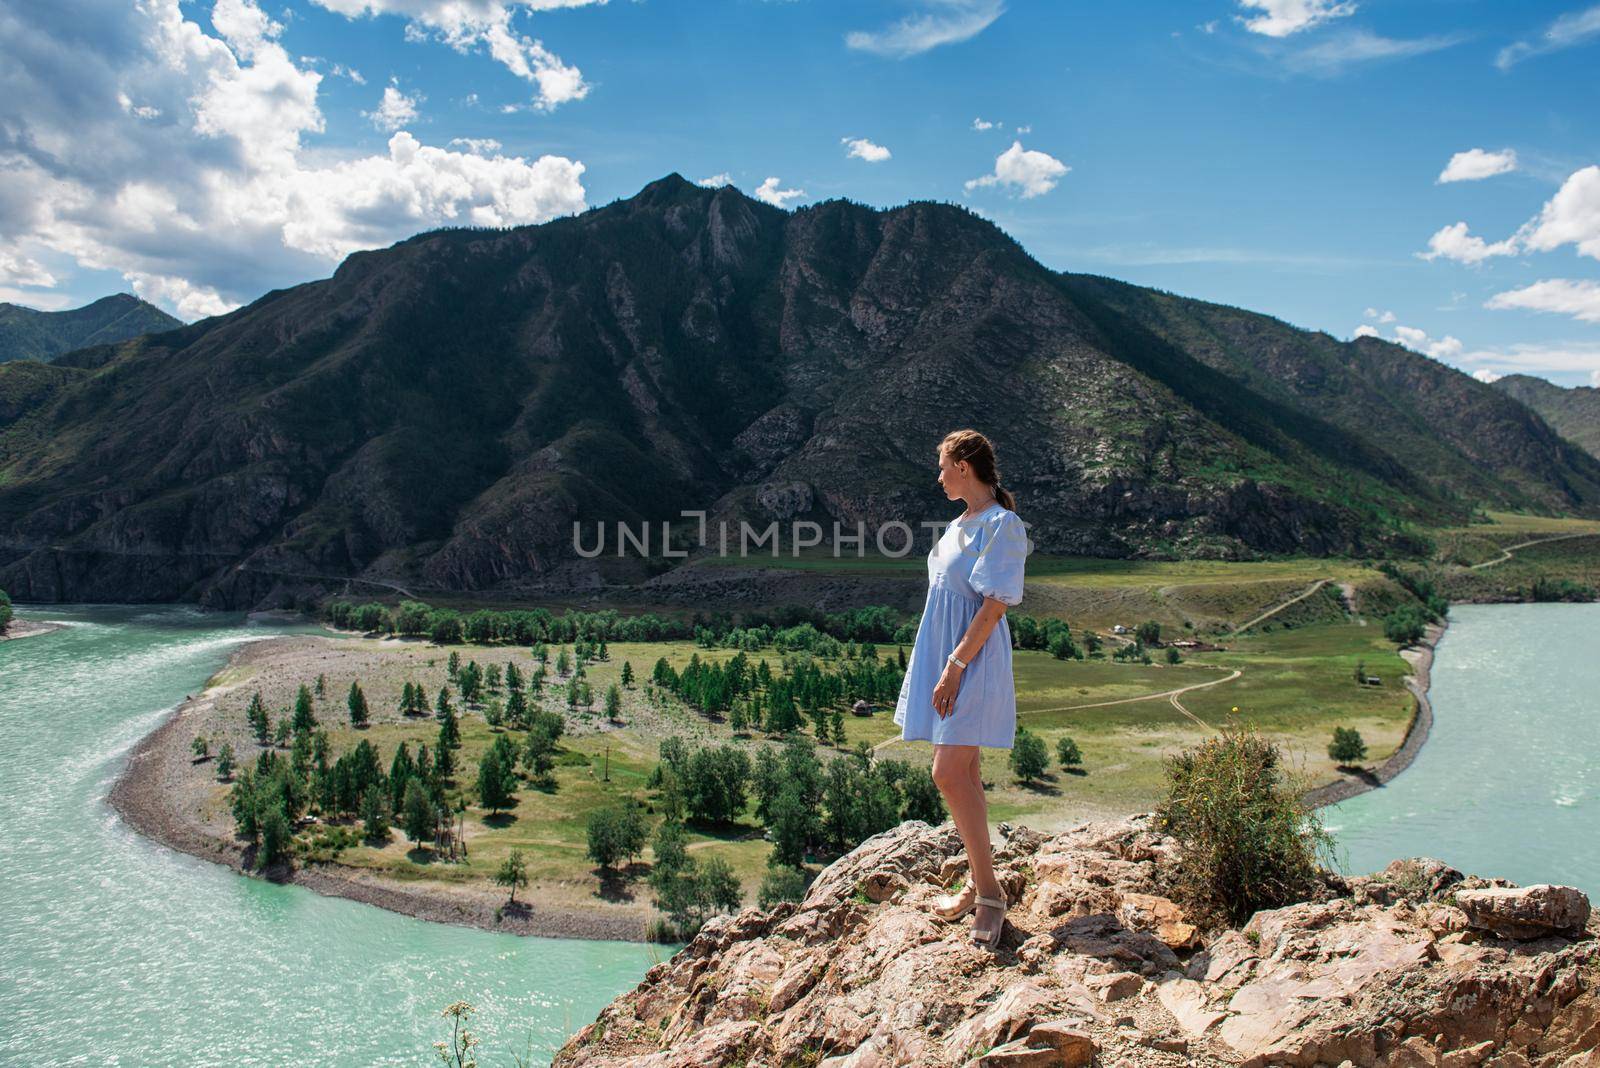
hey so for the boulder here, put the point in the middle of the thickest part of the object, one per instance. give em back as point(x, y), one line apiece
point(1526, 912)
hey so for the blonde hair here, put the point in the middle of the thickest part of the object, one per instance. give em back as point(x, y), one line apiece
point(977, 450)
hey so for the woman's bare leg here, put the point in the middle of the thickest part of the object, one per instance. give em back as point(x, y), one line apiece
point(957, 771)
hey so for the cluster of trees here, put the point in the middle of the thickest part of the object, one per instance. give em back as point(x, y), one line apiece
point(789, 628)
point(810, 810)
point(1543, 590)
point(1030, 758)
point(875, 623)
point(1134, 651)
point(268, 798)
point(755, 698)
point(1051, 635)
point(447, 626)
point(1407, 623)
point(5, 610)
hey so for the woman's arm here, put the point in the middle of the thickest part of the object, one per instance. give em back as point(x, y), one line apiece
point(944, 692)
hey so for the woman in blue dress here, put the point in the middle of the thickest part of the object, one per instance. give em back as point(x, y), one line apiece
point(958, 691)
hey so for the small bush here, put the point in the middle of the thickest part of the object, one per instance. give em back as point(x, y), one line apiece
point(1245, 840)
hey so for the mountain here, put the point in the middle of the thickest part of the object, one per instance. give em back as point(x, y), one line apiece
point(439, 413)
point(30, 334)
point(1574, 411)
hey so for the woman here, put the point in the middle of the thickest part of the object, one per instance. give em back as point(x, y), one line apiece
point(958, 691)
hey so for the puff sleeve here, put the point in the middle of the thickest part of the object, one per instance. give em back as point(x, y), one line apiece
point(998, 570)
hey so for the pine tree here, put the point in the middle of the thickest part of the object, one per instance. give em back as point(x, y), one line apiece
point(375, 814)
point(322, 685)
point(614, 703)
point(627, 673)
point(443, 707)
point(418, 811)
point(450, 729)
point(305, 721)
point(358, 705)
point(495, 781)
point(256, 716)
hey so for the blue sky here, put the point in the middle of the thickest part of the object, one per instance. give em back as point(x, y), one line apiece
point(1280, 155)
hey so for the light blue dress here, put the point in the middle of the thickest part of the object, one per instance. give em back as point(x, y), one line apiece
point(974, 558)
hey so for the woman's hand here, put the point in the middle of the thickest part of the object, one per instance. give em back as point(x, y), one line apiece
point(944, 692)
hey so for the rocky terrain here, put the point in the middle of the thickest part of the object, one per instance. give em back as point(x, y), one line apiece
point(1414, 966)
point(437, 415)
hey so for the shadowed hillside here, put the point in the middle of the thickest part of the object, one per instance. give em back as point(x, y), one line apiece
point(30, 334)
point(1574, 412)
point(438, 413)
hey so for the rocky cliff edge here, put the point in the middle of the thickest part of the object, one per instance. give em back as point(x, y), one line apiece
point(1414, 966)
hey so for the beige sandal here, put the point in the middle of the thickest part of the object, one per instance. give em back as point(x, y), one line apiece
point(954, 906)
point(990, 941)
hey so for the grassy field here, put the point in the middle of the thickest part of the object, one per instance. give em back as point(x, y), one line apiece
point(1292, 676)
point(1294, 683)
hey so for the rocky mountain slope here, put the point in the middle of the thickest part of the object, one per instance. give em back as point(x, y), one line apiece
point(30, 334)
point(1416, 966)
point(439, 413)
point(1574, 412)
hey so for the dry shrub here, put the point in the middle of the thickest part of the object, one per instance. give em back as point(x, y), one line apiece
point(1246, 841)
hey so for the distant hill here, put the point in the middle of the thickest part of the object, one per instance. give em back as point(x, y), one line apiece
point(1574, 411)
point(30, 334)
point(440, 412)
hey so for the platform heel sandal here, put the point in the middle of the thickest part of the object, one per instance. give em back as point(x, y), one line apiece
point(987, 941)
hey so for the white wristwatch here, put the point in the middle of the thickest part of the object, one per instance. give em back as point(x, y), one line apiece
point(957, 661)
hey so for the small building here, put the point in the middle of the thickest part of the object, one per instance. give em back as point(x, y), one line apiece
point(861, 708)
point(1119, 629)
point(1373, 680)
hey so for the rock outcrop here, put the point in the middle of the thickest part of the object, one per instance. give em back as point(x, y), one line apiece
point(1414, 966)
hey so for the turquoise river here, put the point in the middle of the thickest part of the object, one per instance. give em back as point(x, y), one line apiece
point(1508, 783)
point(116, 951)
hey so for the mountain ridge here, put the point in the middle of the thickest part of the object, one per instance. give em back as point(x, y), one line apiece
point(1573, 411)
point(30, 334)
point(442, 411)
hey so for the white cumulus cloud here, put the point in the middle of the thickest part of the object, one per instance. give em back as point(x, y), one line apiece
point(1475, 164)
point(1484, 374)
point(940, 22)
point(1368, 330)
point(1579, 299)
point(984, 124)
point(1032, 172)
point(219, 201)
point(861, 148)
point(1571, 217)
point(716, 181)
point(1453, 242)
point(769, 192)
point(469, 25)
point(394, 110)
point(1280, 18)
